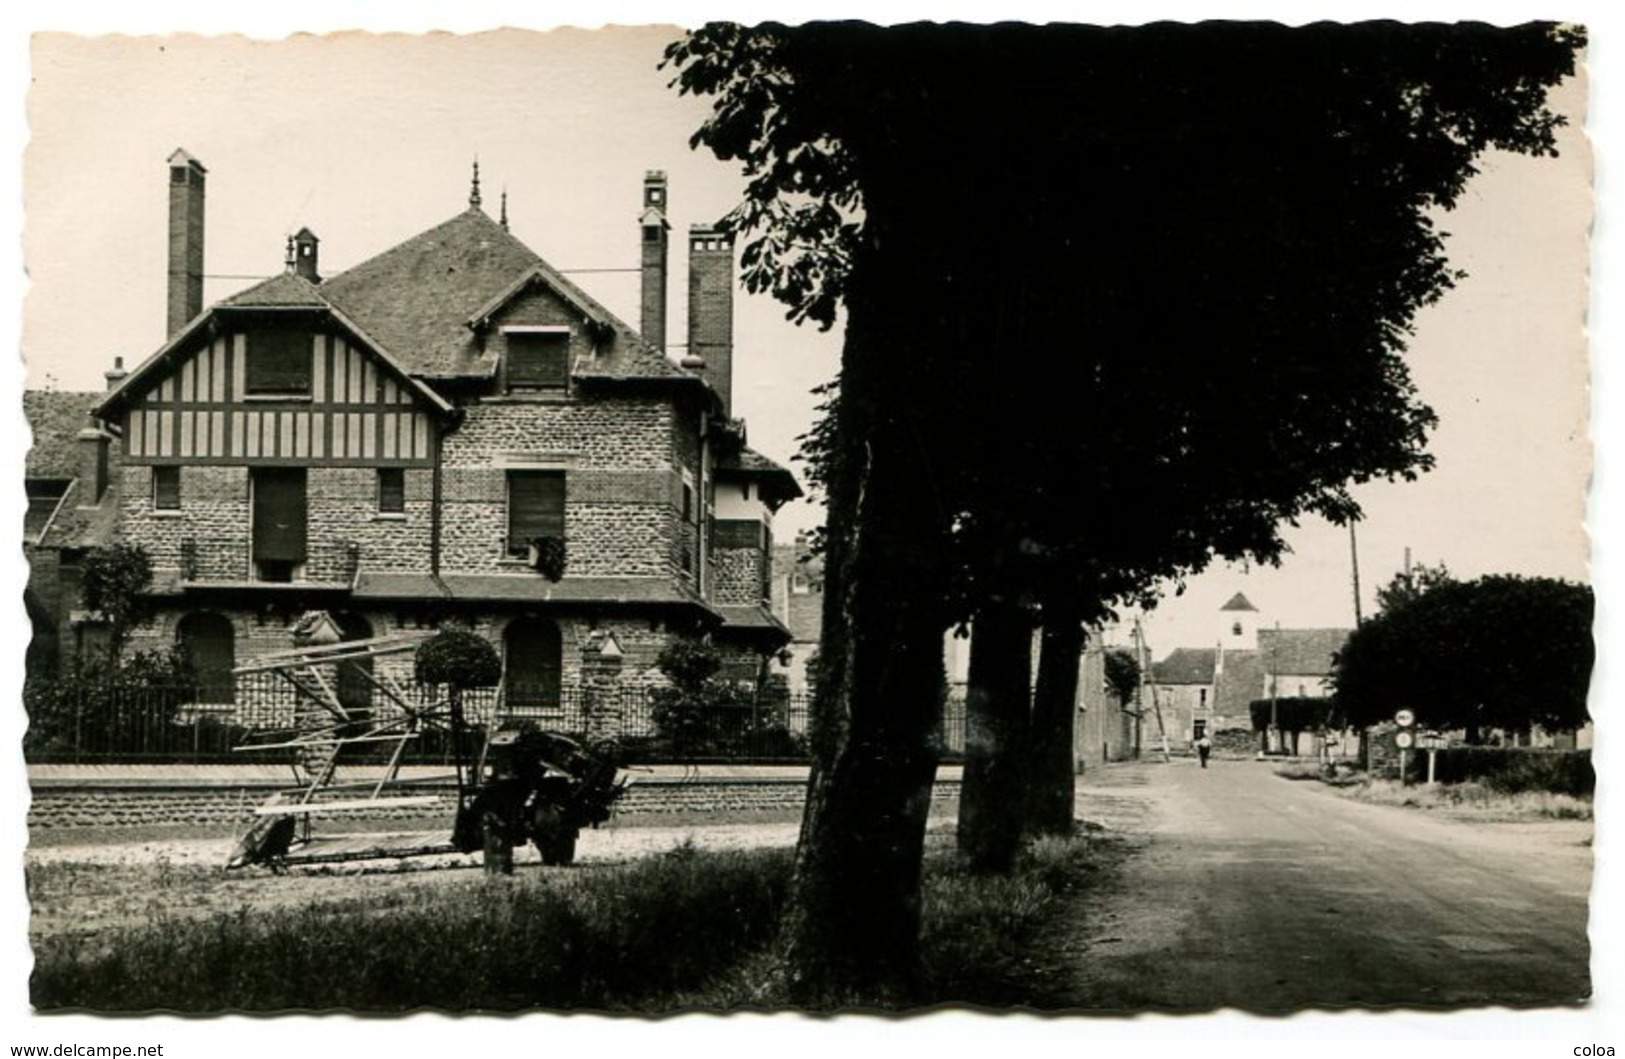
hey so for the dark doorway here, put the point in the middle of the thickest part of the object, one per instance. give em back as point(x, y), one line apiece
point(533, 664)
point(209, 644)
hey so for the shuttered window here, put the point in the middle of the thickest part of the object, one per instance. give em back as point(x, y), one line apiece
point(279, 515)
point(278, 362)
point(538, 360)
point(391, 491)
point(166, 488)
point(535, 508)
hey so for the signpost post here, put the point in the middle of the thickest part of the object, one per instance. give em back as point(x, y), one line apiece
point(1404, 739)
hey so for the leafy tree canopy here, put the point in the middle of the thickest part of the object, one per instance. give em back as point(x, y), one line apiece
point(459, 657)
point(1148, 280)
point(113, 582)
point(1122, 674)
point(1497, 652)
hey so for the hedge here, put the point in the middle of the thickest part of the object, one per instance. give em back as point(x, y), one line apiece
point(1516, 769)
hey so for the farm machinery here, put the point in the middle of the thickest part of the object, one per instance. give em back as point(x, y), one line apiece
point(510, 781)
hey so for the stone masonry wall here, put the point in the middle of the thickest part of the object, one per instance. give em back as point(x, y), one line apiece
point(231, 808)
point(216, 516)
point(736, 575)
point(622, 489)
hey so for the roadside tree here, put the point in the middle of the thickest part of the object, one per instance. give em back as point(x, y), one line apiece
point(1116, 272)
point(1500, 652)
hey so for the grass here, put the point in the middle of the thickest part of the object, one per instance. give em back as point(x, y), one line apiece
point(607, 940)
point(687, 929)
point(1475, 799)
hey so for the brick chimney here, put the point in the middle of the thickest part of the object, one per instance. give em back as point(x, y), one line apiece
point(304, 255)
point(185, 240)
point(94, 443)
point(116, 375)
point(653, 228)
point(711, 307)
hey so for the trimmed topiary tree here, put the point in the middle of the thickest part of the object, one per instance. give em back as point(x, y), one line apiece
point(458, 658)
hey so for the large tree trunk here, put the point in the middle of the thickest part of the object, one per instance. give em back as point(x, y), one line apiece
point(1055, 711)
point(993, 795)
point(852, 931)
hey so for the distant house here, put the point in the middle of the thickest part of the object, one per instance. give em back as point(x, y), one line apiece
point(1210, 689)
point(449, 431)
point(71, 479)
point(798, 604)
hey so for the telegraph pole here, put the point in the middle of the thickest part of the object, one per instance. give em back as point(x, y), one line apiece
point(1354, 565)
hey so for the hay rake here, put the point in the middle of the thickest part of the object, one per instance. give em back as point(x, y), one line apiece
point(521, 785)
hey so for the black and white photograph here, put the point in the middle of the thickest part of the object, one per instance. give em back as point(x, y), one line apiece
point(959, 532)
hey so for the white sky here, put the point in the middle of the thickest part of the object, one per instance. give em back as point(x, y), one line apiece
point(368, 141)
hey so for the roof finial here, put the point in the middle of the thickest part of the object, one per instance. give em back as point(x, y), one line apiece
point(504, 208)
point(288, 258)
point(474, 191)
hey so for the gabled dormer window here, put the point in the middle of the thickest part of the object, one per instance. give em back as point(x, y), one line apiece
point(278, 363)
point(538, 358)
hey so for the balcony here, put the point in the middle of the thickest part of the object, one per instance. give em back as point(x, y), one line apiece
point(215, 562)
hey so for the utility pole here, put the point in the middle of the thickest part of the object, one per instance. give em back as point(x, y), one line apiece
point(1139, 687)
point(1354, 564)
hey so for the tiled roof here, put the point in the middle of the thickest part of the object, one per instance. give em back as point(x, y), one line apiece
point(1238, 602)
point(750, 617)
point(1185, 665)
point(533, 588)
point(416, 297)
point(282, 291)
point(748, 463)
point(84, 527)
point(1300, 652)
point(419, 298)
point(56, 418)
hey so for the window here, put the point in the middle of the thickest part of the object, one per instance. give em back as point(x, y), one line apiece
point(535, 508)
point(391, 491)
point(538, 359)
point(278, 362)
point(278, 521)
point(166, 488)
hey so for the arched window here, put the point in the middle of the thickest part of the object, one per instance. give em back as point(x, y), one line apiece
point(533, 664)
point(209, 643)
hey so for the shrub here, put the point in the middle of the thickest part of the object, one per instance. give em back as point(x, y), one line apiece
point(99, 705)
point(1511, 770)
point(700, 714)
point(458, 657)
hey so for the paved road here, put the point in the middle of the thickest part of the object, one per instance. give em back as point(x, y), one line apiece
point(1264, 894)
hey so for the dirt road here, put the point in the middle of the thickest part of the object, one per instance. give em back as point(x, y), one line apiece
point(1254, 892)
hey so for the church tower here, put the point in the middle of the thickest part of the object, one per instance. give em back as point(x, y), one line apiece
point(1238, 625)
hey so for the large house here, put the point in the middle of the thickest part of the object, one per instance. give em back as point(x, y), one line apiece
point(449, 431)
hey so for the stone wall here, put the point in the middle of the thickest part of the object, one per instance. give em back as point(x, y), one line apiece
point(231, 809)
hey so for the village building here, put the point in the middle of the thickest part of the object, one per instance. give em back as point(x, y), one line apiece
point(1206, 690)
point(449, 431)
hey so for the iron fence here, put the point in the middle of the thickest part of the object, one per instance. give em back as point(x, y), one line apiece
point(107, 723)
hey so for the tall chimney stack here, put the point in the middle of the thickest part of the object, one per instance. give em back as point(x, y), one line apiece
point(654, 228)
point(185, 240)
point(711, 307)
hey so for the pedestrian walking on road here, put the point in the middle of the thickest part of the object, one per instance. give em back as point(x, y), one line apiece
point(1204, 746)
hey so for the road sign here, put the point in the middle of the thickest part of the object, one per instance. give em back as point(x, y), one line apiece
point(1404, 740)
point(1404, 718)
